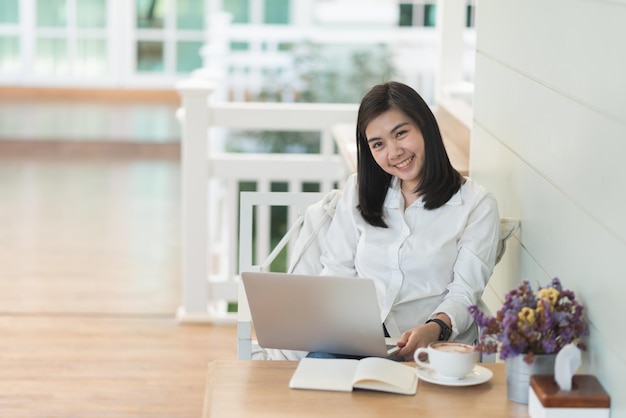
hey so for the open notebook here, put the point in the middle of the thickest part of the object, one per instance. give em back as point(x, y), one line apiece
point(337, 315)
point(371, 373)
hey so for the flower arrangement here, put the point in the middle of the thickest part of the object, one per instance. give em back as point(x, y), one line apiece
point(532, 323)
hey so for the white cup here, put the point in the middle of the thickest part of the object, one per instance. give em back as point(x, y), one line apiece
point(448, 359)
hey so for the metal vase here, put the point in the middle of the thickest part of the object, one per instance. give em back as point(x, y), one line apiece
point(518, 374)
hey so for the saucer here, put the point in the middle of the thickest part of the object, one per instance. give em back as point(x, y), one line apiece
point(477, 376)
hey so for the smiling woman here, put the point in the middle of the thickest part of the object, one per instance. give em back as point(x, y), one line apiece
point(408, 220)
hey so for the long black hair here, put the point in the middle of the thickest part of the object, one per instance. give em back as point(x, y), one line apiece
point(439, 180)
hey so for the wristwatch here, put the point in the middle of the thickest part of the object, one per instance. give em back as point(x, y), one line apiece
point(445, 329)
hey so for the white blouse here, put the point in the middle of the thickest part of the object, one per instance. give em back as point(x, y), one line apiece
point(425, 262)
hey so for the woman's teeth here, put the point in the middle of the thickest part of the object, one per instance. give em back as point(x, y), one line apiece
point(405, 163)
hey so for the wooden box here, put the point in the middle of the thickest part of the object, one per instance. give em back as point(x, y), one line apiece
point(587, 399)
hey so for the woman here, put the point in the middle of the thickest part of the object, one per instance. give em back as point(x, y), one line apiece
point(409, 221)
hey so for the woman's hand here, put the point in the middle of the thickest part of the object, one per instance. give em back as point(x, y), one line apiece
point(419, 336)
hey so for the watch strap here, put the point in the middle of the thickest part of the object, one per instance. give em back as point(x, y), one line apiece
point(445, 333)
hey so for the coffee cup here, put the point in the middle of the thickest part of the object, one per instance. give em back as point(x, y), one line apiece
point(449, 359)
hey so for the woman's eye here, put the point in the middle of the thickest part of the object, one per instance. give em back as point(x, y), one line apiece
point(400, 134)
point(376, 144)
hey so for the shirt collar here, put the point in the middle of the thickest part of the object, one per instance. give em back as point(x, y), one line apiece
point(394, 196)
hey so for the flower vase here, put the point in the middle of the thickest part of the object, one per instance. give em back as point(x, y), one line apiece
point(518, 374)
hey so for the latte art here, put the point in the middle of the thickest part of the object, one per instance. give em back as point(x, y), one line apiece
point(454, 348)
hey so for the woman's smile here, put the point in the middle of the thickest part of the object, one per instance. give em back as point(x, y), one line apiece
point(405, 163)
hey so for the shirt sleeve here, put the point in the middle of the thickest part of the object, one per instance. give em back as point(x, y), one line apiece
point(474, 265)
point(339, 249)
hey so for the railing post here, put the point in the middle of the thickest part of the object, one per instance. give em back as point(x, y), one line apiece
point(195, 250)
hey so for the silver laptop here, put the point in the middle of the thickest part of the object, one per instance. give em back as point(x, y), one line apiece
point(336, 315)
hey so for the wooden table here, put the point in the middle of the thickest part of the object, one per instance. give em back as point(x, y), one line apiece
point(260, 389)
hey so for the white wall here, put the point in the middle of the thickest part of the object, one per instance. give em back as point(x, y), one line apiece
point(549, 139)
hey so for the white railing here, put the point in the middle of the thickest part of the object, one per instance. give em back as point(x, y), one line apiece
point(210, 182)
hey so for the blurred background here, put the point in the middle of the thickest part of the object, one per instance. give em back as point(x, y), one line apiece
point(107, 69)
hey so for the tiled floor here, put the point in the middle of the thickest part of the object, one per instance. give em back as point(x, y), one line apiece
point(89, 287)
point(93, 236)
point(90, 265)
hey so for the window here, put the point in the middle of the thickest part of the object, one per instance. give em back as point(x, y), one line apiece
point(51, 13)
point(80, 41)
point(423, 13)
point(91, 13)
point(470, 18)
point(430, 15)
point(10, 60)
point(150, 58)
point(276, 12)
point(239, 46)
point(188, 56)
point(406, 15)
point(240, 9)
point(9, 11)
point(417, 13)
point(9, 54)
point(190, 14)
point(150, 13)
point(71, 38)
point(51, 57)
point(285, 46)
point(170, 34)
point(91, 57)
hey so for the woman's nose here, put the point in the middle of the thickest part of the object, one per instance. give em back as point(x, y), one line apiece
point(394, 150)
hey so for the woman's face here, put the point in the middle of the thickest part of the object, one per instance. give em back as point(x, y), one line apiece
point(397, 146)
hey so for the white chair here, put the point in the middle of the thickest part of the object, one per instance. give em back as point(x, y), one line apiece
point(298, 202)
point(303, 242)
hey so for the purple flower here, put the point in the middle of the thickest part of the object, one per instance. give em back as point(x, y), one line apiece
point(549, 344)
point(532, 322)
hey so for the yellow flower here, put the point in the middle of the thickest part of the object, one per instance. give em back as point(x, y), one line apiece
point(551, 294)
point(526, 316)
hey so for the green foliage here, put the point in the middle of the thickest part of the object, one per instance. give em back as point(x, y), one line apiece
point(340, 74)
point(274, 142)
point(326, 74)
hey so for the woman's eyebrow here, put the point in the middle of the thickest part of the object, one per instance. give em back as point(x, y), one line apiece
point(398, 126)
point(395, 128)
